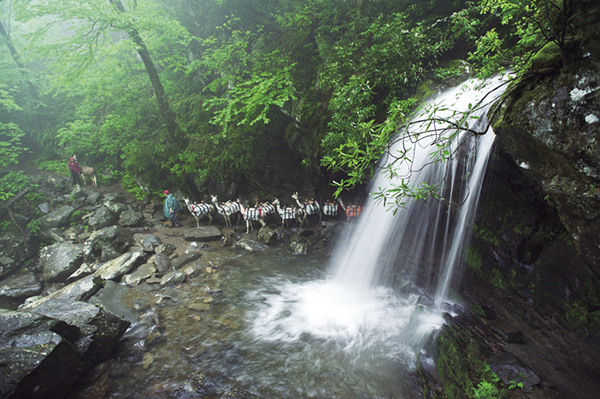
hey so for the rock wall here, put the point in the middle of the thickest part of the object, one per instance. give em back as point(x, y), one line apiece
point(550, 125)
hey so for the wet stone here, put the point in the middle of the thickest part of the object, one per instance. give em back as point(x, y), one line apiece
point(512, 371)
point(203, 234)
point(507, 332)
point(173, 278)
point(199, 306)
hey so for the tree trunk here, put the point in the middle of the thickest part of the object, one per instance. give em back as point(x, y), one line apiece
point(163, 103)
point(15, 56)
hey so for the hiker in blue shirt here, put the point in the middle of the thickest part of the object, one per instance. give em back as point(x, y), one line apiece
point(171, 208)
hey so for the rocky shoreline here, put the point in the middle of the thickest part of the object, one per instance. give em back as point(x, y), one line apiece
point(57, 323)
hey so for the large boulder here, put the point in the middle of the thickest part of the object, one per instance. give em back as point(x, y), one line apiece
point(60, 217)
point(22, 285)
point(550, 125)
point(108, 239)
point(103, 217)
point(37, 362)
point(99, 331)
point(15, 251)
point(161, 261)
point(267, 236)
point(60, 261)
point(141, 274)
point(80, 290)
point(130, 218)
point(46, 350)
point(116, 208)
point(120, 266)
point(203, 233)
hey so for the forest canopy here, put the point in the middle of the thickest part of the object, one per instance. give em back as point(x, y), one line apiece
point(173, 93)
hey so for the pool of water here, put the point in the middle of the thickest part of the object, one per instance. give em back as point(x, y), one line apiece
point(270, 323)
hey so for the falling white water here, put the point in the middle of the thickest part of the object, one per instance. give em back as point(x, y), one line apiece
point(354, 308)
point(430, 235)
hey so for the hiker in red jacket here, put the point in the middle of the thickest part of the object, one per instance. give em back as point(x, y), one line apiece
point(75, 170)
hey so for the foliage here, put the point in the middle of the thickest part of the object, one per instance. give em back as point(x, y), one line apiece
point(584, 313)
point(12, 184)
point(528, 26)
point(486, 390)
point(460, 363)
point(128, 182)
point(10, 133)
point(345, 76)
point(57, 166)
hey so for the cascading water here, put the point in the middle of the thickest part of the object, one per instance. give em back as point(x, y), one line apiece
point(353, 316)
point(424, 233)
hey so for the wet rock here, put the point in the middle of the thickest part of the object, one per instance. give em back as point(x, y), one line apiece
point(184, 259)
point(44, 208)
point(506, 331)
point(60, 217)
point(166, 249)
point(99, 241)
point(150, 242)
point(429, 369)
point(37, 361)
point(120, 266)
point(549, 125)
point(299, 248)
point(97, 331)
point(203, 234)
point(142, 273)
point(116, 208)
point(93, 197)
point(267, 236)
point(102, 218)
point(112, 298)
point(161, 261)
point(512, 371)
point(250, 245)
point(80, 290)
point(189, 270)
point(60, 261)
point(15, 251)
point(173, 278)
point(20, 286)
point(426, 300)
point(130, 218)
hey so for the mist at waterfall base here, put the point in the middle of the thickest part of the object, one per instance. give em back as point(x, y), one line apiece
point(364, 318)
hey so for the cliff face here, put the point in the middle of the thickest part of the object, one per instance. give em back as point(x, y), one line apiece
point(533, 275)
point(550, 126)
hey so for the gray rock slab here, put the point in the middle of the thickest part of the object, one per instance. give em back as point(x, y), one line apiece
point(20, 286)
point(142, 273)
point(60, 217)
point(184, 259)
point(203, 233)
point(120, 266)
point(60, 261)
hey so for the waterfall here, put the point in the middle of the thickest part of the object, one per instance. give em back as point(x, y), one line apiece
point(364, 307)
point(424, 240)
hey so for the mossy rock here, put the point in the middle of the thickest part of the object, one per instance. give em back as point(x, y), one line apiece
point(548, 58)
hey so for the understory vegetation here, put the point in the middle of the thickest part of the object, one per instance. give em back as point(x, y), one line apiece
point(172, 93)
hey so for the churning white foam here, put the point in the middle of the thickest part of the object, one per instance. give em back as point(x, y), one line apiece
point(327, 310)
